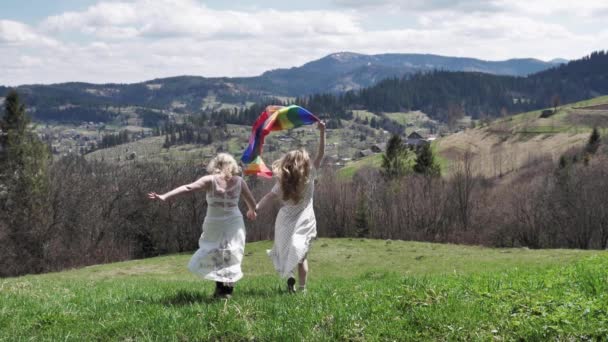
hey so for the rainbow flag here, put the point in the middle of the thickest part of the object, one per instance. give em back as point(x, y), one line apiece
point(274, 118)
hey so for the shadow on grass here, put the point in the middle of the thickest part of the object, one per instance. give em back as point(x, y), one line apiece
point(189, 297)
point(260, 292)
point(185, 297)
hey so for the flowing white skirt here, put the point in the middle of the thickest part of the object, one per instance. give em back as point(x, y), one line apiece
point(294, 231)
point(221, 249)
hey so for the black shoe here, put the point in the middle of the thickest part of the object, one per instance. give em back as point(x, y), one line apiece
point(222, 291)
point(228, 291)
point(291, 285)
point(219, 290)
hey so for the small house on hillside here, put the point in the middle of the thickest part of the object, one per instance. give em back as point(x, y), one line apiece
point(415, 139)
point(364, 153)
point(378, 148)
point(546, 113)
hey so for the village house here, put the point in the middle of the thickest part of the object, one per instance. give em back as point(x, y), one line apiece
point(364, 153)
point(415, 139)
point(378, 148)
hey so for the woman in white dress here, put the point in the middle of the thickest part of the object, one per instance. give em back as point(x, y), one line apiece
point(295, 226)
point(222, 244)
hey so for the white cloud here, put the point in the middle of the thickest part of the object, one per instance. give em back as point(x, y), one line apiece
point(177, 18)
point(427, 5)
point(129, 41)
point(587, 8)
point(17, 33)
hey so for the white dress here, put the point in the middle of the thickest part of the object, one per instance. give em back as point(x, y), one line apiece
point(222, 244)
point(294, 229)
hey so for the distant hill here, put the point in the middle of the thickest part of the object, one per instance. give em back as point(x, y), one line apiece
point(506, 145)
point(445, 95)
point(334, 73)
point(510, 143)
point(346, 70)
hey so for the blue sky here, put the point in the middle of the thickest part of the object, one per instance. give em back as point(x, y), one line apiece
point(134, 40)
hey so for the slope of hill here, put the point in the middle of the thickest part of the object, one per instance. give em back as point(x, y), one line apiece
point(506, 144)
point(389, 290)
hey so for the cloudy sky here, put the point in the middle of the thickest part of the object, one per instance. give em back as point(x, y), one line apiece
point(127, 41)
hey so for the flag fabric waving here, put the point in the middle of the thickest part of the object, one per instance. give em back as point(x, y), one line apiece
point(274, 118)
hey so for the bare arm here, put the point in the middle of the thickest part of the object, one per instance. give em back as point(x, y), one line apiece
point(270, 197)
point(321, 151)
point(202, 184)
point(249, 199)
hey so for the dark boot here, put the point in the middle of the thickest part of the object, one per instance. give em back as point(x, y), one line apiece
point(291, 285)
point(228, 291)
point(219, 290)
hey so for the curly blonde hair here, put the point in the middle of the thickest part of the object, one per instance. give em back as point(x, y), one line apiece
point(293, 171)
point(224, 164)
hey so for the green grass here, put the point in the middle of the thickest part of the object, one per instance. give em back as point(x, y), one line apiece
point(530, 122)
point(591, 102)
point(358, 290)
point(404, 118)
point(375, 161)
point(348, 171)
point(444, 163)
point(363, 114)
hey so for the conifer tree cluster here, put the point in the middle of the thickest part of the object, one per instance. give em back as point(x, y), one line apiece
point(396, 159)
point(425, 161)
point(24, 183)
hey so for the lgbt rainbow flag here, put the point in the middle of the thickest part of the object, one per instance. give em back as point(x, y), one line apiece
point(274, 118)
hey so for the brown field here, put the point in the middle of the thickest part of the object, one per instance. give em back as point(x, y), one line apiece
point(496, 155)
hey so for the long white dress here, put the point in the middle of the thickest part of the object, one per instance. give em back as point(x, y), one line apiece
point(294, 229)
point(222, 243)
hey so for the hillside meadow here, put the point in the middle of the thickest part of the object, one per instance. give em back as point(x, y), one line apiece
point(506, 145)
point(359, 289)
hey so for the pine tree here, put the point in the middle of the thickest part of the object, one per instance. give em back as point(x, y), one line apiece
point(395, 162)
point(167, 143)
point(594, 141)
point(425, 161)
point(23, 156)
point(563, 162)
point(361, 219)
point(23, 186)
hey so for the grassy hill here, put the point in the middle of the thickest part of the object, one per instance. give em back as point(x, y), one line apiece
point(509, 143)
point(358, 290)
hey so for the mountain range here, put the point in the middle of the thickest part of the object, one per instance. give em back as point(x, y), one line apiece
point(337, 72)
point(346, 70)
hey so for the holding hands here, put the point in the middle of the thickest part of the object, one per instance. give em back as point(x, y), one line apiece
point(251, 214)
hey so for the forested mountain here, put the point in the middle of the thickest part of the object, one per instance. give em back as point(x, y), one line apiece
point(441, 94)
point(446, 95)
point(346, 71)
point(191, 94)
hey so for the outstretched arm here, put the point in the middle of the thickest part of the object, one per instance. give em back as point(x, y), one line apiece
point(249, 199)
point(202, 184)
point(271, 196)
point(321, 151)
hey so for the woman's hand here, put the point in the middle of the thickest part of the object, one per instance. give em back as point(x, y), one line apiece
point(321, 126)
point(155, 196)
point(252, 215)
